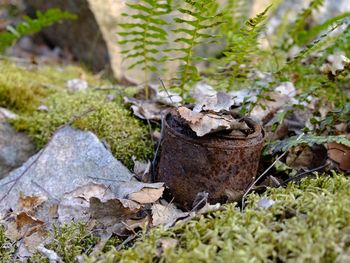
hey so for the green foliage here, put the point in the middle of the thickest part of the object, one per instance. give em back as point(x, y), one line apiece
point(30, 26)
point(290, 142)
point(243, 48)
point(295, 229)
point(69, 241)
point(235, 13)
point(7, 249)
point(334, 117)
point(145, 37)
point(300, 25)
point(199, 17)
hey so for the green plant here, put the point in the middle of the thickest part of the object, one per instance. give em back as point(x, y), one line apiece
point(296, 228)
point(7, 249)
point(198, 18)
point(145, 36)
point(293, 141)
point(30, 26)
point(243, 48)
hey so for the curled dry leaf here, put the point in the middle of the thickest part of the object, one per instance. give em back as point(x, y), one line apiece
point(112, 211)
point(75, 205)
point(166, 214)
point(147, 195)
point(23, 219)
point(340, 154)
point(30, 203)
point(206, 123)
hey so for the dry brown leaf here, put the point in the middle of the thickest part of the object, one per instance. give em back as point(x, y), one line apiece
point(75, 204)
point(340, 154)
point(166, 214)
point(190, 116)
point(111, 211)
point(147, 195)
point(23, 219)
point(205, 123)
point(30, 203)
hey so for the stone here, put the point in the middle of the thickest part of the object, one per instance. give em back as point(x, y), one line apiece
point(92, 38)
point(15, 147)
point(72, 158)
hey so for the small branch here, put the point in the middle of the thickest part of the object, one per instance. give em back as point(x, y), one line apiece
point(304, 174)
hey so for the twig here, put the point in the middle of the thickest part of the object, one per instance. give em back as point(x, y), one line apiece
point(265, 172)
point(42, 151)
point(304, 174)
point(130, 238)
point(166, 90)
point(153, 163)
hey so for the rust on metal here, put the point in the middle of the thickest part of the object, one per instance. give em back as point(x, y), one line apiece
point(213, 163)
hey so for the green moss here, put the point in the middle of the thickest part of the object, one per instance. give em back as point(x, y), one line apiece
point(125, 135)
point(309, 222)
point(22, 88)
point(69, 241)
point(6, 247)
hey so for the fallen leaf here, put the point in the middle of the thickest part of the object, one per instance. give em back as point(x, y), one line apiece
point(189, 115)
point(340, 154)
point(29, 204)
point(222, 102)
point(74, 205)
point(147, 195)
point(23, 219)
point(166, 214)
point(111, 211)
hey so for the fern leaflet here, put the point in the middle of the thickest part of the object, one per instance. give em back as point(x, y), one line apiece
point(30, 26)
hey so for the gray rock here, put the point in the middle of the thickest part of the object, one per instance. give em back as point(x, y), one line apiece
point(15, 147)
point(72, 158)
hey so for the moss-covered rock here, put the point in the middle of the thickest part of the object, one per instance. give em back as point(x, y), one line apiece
point(309, 222)
point(24, 89)
point(125, 135)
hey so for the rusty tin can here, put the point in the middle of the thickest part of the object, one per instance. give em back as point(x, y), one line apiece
point(214, 163)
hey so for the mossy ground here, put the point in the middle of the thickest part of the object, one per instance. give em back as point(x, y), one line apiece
point(24, 89)
point(309, 222)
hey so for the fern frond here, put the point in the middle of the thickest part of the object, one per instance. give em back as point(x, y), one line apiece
point(310, 140)
point(303, 17)
point(243, 46)
point(31, 26)
point(199, 16)
point(145, 36)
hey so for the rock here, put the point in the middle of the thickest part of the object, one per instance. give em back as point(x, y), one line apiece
point(82, 37)
point(71, 159)
point(15, 147)
point(92, 38)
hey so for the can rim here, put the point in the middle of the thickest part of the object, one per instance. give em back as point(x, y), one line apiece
point(258, 132)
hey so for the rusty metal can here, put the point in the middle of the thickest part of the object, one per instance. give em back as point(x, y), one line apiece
point(214, 163)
